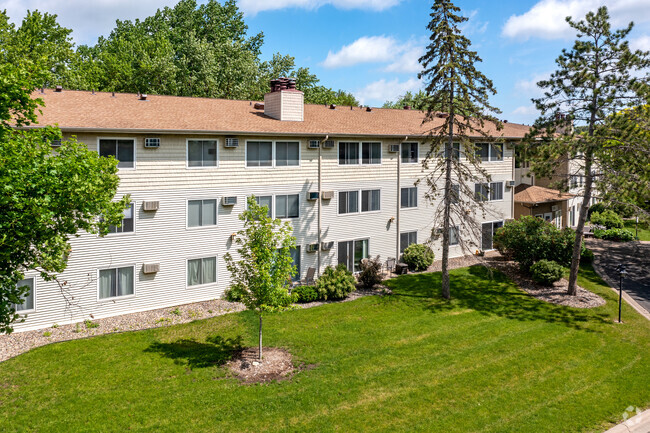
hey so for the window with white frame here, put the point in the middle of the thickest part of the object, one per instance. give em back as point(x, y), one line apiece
point(201, 271)
point(489, 191)
point(370, 153)
point(455, 193)
point(295, 258)
point(266, 200)
point(348, 153)
point(121, 149)
point(27, 298)
point(350, 253)
point(370, 200)
point(128, 222)
point(259, 154)
point(410, 153)
point(201, 153)
point(116, 282)
point(496, 191)
point(287, 206)
point(455, 150)
point(406, 239)
point(489, 152)
point(201, 213)
point(348, 202)
point(287, 153)
point(409, 197)
point(488, 230)
point(454, 239)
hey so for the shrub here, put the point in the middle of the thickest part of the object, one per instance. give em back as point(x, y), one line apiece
point(598, 207)
point(90, 324)
point(418, 257)
point(607, 218)
point(304, 294)
point(546, 272)
point(618, 235)
point(586, 256)
point(335, 283)
point(532, 239)
point(232, 295)
point(370, 274)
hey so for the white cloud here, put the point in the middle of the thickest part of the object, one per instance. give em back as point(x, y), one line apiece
point(408, 61)
point(254, 6)
point(546, 19)
point(88, 19)
point(525, 110)
point(367, 49)
point(381, 91)
point(642, 43)
point(529, 87)
point(473, 26)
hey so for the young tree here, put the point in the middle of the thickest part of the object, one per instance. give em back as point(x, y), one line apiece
point(455, 86)
point(263, 272)
point(594, 80)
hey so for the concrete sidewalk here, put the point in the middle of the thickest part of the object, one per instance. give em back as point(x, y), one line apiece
point(637, 424)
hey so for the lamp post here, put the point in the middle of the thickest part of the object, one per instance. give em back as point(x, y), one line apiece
point(621, 272)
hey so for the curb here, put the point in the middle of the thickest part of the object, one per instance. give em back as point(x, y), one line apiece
point(636, 424)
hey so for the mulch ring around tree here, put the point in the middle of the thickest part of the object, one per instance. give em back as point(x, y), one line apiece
point(555, 294)
point(277, 364)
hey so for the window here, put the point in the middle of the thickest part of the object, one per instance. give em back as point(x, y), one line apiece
point(350, 253)
point(201, 153)
point(487, 233)
point(287, 206)
point(295, 256)
point(489, 192)
point(455, 193)
point(455, 150)
point(489, 151)
point(409, 197)
point(287, 153)
point(409, 152)
point(259, 154)
point(123, 150)
point(453, 236)
point(201, 271)
point(406, 239)
point(116, 282)
point(28, 298)
point(370, 200)
point(266, 200)
point(348, 153)
point(127, 222)
point(370, 153)
point(348, 202)
point(201, 213)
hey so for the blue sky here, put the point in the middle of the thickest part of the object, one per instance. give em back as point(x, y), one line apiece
point(371, 47)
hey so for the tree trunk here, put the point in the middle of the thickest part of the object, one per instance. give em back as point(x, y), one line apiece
point(449, 145)
point(260, 338)
point(582, 218)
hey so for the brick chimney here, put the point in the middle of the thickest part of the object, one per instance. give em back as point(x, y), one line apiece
point(285, 102)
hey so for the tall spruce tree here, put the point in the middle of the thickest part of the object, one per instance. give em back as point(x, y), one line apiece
point(456, 87)
point(595, 79)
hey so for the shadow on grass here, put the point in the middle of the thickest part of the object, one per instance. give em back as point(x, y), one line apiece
point(215, 351)
point(492, 293)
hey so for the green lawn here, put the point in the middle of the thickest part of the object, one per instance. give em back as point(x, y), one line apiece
point(644, 231)
point(492, 360)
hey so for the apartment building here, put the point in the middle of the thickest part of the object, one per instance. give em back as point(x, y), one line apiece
point(344, 177)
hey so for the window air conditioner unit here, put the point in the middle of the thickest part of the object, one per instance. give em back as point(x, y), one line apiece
point(229, 201)
point(313, 195)
point(328, 144)
point(313, 144)
point(231, 142)
point(55, 143)
point(152, 143)
point(555, 208)
point(150, 205)
point(393, 148)
point(326, 246)
point(510, 184)
point(150, 268)
point(312, 248)
point(327, 195)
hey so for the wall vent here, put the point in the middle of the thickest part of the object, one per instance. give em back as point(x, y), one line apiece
point(312, 248)
point(510, 184)
point(313, 144)
point(328, 144)
point(152, 143)
point(393, 148)
point(231, 142)
point(327, 195)
point(150, 268)
point(555, 208)
point(229, 201)
point(150, 205)
point(312, 195)
point(55, 143)
point(326, 246)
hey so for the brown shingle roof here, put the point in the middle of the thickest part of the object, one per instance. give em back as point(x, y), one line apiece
point(82, 110)
point(530, 194)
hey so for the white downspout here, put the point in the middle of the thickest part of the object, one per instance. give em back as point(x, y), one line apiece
point(399, 202)
point(320, 203)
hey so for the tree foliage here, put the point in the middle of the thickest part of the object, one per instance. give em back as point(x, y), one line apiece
point(456, 87)
point(595, 79)
point(263, 272)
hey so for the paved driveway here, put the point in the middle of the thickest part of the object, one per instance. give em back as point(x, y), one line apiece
point(636, 255)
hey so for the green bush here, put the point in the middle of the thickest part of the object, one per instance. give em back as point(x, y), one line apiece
point(546, 272)
point(370, 274)
point(618, 235)
point(598, 207)
point(586, 256)
point(418, 257)
point(231, 295)
point(530, 239)
point(304, 294)
point(335, 283)
point(607, 218)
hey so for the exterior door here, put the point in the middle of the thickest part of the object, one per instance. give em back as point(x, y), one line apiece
point(487, 234)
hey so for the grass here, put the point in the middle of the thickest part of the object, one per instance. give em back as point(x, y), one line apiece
point(644, 230)
point(491, 360)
